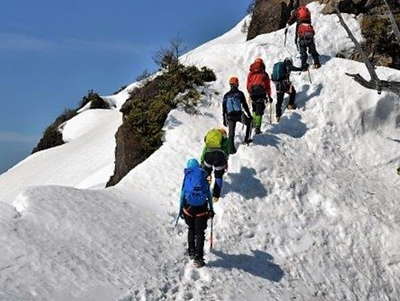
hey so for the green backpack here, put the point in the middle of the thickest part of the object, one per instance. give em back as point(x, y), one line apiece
point(213, 139)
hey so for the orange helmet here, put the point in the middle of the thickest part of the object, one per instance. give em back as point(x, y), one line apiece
point(259, 60)
point(234, 81)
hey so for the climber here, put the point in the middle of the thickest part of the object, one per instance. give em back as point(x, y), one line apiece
point(281, 78)
point(232, 112)
point(259, 88)
point(215, 156)
point(304, 38)
point(300, 15)
point(196, 207)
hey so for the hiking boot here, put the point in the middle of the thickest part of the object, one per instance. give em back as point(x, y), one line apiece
point(248, 141)
point(257, 131)
point(317, 65)
point(215, 199)
point(278, 118)
point(292, 107)
point(199, 262)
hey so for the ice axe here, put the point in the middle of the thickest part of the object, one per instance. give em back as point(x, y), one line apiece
point(286, 30)
point(211, 234)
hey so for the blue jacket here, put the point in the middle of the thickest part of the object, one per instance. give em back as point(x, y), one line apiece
point(191, 164)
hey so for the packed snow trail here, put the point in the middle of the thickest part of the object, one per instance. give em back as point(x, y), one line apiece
point(309, 210)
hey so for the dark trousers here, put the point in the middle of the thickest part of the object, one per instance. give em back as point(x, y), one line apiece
point(308, 44)
point(216, 160)
point(196, 228)
point(282, 88)
point(232, 128)
point(258, 106)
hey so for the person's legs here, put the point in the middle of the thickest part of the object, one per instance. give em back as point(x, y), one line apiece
point(190, 221)
point(217, 160)
point(200, 227)
point(218, 173)
point(292, 97)
point(231, 129)
point(279, 101)
point(314, 53)
point(303, 54)
point(247, 122)
point(258, 111)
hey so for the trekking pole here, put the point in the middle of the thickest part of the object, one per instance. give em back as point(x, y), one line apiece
point(270, 113)
point(309, 75)
point(286, 30)
point(211, 234)
point(176, 221)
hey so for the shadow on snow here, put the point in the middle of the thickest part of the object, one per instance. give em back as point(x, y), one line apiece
point(307, 93)
point(290, 125)
point(258, 264)
point(245, 183)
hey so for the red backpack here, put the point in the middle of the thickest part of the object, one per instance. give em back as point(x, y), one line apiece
point(305, 31)
point(303, 14)
point(257, 77)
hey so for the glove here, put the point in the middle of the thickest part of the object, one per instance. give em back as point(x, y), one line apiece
point(270, 99)
point(211, 213)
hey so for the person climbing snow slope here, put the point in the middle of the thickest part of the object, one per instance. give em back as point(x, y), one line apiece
point(259, 88)
point(232, 112)
point(304, 38)
point(281, 78)
point(196, 207)
point(215, 156)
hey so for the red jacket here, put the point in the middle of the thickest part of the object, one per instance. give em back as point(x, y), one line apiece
point(258, 76)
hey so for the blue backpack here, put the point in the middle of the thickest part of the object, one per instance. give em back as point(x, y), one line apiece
point(233, 104)
point(195, 186)
point(278, 72)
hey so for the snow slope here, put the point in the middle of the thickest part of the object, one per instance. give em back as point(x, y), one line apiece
point(309, 210)
point(86, 161)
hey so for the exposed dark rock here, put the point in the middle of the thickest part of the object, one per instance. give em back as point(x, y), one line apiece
point(271, 15)
point(380, 45)
point(145, 112)
point(52, 136)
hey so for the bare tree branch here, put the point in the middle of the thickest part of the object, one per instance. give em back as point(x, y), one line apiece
point(374, 83)
point(381, 85)
point(370, 67)
point(393, 21)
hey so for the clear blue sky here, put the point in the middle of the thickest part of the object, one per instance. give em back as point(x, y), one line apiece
point(53, 52)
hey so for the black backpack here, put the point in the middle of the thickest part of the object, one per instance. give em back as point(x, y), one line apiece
point(258, 91)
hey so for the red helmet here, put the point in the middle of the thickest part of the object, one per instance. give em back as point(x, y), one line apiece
point(234, 81)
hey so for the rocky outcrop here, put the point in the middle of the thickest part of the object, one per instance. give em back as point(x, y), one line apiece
point(381, 46)
point(347, 6)
point(146, 110)
point(271, 15)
